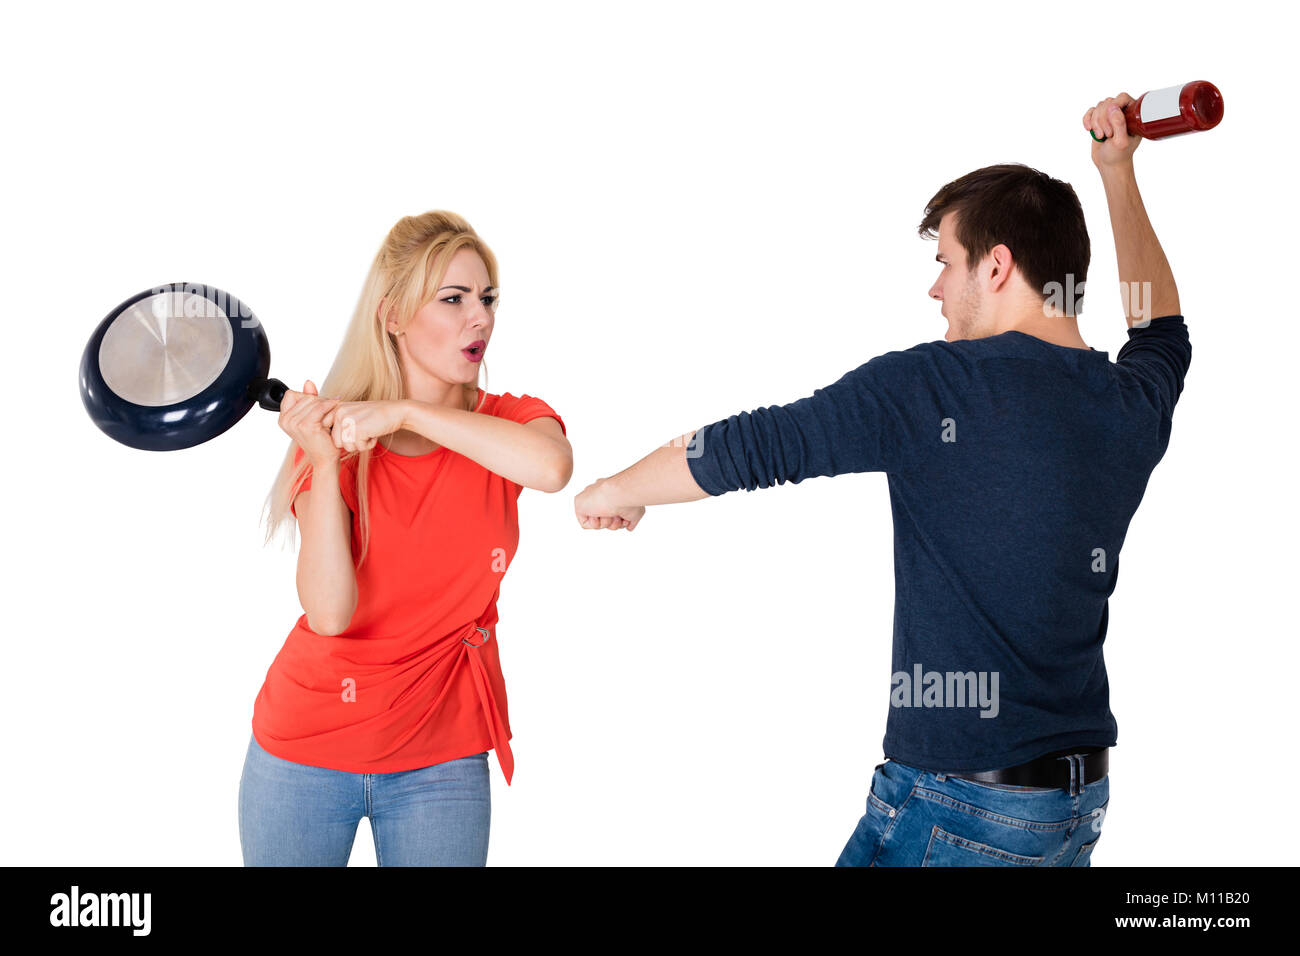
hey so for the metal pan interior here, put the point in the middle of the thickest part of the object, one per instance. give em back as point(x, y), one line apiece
point(165, 348)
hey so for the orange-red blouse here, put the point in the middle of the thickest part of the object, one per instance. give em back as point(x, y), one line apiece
point(415, 679)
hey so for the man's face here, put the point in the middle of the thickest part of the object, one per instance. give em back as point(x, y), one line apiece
point(957, 287)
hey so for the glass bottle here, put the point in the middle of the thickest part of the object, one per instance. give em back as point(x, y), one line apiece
point(1174, 110)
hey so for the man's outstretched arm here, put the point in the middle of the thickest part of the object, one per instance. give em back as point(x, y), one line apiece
point(662, 477)
point(855, 424)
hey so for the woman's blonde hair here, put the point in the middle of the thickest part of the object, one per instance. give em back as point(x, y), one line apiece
point(404, 276)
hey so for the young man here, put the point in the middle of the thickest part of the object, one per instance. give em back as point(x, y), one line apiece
point(1016, 457)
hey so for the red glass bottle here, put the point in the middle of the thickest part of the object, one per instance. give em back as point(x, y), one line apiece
point(1174, 110)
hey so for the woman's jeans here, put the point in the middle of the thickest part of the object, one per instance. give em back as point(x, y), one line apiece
point(919, 818)
point(292, 814)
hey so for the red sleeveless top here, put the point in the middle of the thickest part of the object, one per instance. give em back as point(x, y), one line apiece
point(415, 679)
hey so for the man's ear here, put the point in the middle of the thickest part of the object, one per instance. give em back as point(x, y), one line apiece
point(1002, 263)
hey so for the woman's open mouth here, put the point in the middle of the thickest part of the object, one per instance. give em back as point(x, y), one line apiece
point(474, 351)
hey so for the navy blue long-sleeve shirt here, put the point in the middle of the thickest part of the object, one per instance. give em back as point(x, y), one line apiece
point(1014, 468)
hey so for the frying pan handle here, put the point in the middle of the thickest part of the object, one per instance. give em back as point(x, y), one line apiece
point(267, 392)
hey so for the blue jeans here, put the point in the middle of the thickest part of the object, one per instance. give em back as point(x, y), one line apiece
point(921, 818)
point(293, 814)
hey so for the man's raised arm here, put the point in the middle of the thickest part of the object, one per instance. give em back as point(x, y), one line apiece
point(1143, 269)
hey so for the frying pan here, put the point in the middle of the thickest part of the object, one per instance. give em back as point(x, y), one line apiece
point(175, 366)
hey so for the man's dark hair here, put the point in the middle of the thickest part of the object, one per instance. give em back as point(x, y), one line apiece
point(1037, 217)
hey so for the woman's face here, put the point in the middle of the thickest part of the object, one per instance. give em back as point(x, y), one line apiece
point(447, 337)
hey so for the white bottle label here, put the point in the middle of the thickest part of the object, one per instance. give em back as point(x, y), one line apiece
point(1160, 104)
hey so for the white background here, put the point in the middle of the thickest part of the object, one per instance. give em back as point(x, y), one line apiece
point(698, 209)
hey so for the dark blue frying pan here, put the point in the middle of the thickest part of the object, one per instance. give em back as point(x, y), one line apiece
point(175, 366)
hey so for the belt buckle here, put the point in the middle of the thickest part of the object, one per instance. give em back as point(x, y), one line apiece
point(485, 633)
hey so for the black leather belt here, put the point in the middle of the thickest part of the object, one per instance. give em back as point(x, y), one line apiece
point(1049, 770)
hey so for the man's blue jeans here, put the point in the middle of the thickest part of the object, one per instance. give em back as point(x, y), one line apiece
point(919, 818)
point(293, 814)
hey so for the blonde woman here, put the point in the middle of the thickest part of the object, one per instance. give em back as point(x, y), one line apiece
point(388, 691)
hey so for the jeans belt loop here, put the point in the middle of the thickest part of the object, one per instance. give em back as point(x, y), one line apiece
point(483, 630)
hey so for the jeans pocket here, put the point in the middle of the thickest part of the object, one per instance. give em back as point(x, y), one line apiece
point(865, 843)
point(1084, 856)
point(951, 849)
point(875, 803)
